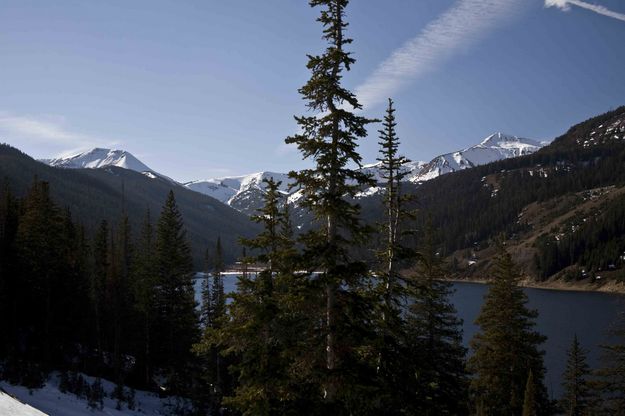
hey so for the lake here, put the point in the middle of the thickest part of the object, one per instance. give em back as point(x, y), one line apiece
point(562, 314)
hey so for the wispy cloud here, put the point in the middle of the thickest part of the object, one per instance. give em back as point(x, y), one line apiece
point(50, 131)
point(566, 5)
point(465, 23)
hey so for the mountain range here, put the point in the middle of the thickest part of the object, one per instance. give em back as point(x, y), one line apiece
point(245, 192)
point(560, 207)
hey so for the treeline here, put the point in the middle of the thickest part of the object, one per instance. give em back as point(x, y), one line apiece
point(108, 306)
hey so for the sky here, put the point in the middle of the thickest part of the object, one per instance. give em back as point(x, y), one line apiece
point(208, 88)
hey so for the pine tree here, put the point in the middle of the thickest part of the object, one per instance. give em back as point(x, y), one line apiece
point(391, 290)
point(612, 373)
point(74, 289)
point(330, 138)
point(118, 287)
point(177, 318)
point(435, 357)
point(206, 307)
point(218, 373)
point(252, 333)
point(98, 286)
point(217, 295)
point(144, 273)
point(41, 253)
point(507, 346)
point(391, 168)
point(392, 172)
point(578, 398)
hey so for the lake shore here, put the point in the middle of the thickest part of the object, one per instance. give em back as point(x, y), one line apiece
point(561, 285)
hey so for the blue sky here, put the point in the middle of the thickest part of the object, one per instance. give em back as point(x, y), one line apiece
point(198, 89)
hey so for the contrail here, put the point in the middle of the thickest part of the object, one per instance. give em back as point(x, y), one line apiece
point(566, 5)
point(465, 23)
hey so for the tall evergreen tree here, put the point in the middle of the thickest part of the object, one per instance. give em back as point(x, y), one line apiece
point(392, 172)
point(73, 297)
point(206, 306)
point(391, 168)
point(99, 272)
point(40, 254)
point(612, 372)
point(176, 314)
point(578, 398)
point(507, 346)
point(118, 288)
point(217, 299)
point(392, 344)
point(330, 139)
point(144, 273)
point(253, 332)
point(437, 383)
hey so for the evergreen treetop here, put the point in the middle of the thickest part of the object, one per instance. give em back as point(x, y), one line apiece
point(578, 396)
point(507, 346)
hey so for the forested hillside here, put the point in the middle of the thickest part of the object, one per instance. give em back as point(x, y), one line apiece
point(94, 195)
point(473, 207)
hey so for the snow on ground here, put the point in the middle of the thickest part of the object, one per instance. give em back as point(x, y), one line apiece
point(12, 407)
point(51, 401)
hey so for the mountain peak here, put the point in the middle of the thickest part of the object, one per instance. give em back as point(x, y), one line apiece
point(99, 157)
point(499, 139)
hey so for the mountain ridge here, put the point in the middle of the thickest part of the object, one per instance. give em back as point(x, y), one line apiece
point(245, 192)
point(94, 195)
point(247, 195)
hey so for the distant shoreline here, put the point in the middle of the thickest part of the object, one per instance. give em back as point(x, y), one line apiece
point(610, 287)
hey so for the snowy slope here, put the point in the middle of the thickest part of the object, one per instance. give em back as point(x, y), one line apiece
point(102, 158)
point(49, 400)
point(13, 407)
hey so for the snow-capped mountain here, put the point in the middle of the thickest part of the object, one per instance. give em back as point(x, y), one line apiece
point(102, 158)
point(99, 158)
point(495, 147)
point(243, 193)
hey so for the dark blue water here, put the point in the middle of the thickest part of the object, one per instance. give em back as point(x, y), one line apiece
point(562, 314)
